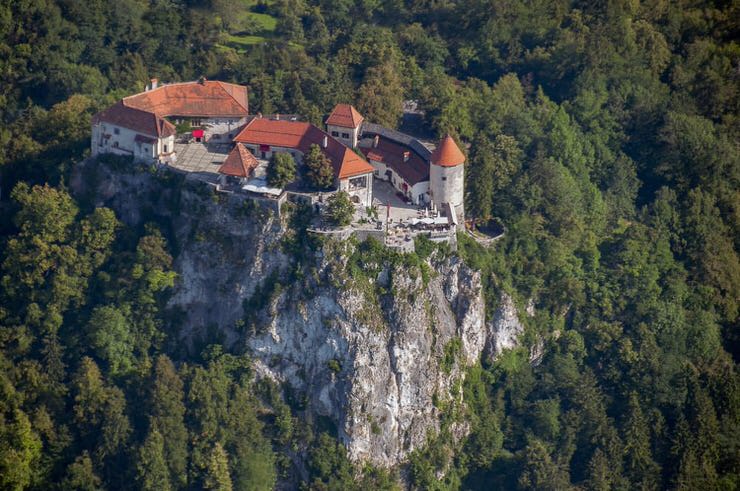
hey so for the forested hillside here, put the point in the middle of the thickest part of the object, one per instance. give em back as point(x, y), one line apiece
point(603, 135)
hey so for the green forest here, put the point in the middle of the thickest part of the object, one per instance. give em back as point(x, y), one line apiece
point(602, 135)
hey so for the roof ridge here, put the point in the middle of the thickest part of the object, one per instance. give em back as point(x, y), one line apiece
point(221, 84)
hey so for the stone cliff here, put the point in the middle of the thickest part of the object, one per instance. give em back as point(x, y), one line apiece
point(376, 341)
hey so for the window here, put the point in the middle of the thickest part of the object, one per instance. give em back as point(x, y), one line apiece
point(116, 131)
point(334, 133)
point(358, 182)
point(115, 144)
point(165, 148)
point(345, 136)
point(444, 178)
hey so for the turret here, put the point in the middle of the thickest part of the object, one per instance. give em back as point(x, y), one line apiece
point(344, 124)
point(447, 177)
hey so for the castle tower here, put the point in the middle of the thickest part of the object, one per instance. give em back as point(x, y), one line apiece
point(447, 178)
point(344, 124)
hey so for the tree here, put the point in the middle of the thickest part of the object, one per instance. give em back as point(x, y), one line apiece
point(282, 169)
point(152, 466)
point(217, 473)
point(329, 467)
point(639, 464)
point(20, 449)
point(100, 411)
point(480, 177)
point(45, 212)
point(81, 475)
point(252, 460)
point(167, 413)
point(320, 171)
point(112, 339)
point(340, 209)
point(540, 472)
point(380, 97)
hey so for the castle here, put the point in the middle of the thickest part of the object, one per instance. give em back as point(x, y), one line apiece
point(142, 126)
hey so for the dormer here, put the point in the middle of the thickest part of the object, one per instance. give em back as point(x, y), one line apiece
point(344, 124)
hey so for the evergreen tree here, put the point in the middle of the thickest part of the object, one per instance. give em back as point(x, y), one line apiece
point(20, 449)
point(282, 169)
point(320, 172)
point(217, 474)
point(639, 466)
point(252, 463)
point(81, 475)
point(151, 466)
point(111, 338)
point(480, 177)
point(168, 415)
point(540, 471)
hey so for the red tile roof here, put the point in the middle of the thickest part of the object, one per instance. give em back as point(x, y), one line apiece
point(140, 121)
point(346, 116)
point(300, 136)
point(447, 153)
point(193, 99)
point(145, 139)
point(413, 171)
point(240, 162)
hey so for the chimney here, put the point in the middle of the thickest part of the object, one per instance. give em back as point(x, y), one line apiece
point(325, 143)
point(202, 80)
point(277, 117)
point(406, 156)
point(376, 140)
point(259, 115)
point(153, 83)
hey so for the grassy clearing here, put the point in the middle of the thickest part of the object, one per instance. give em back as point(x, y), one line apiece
point(263, 22)
point(248, 29)
point(240, 43)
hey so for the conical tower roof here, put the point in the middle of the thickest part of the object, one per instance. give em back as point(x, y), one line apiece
point(447, 153)
point(239, 163)
point(346, 116)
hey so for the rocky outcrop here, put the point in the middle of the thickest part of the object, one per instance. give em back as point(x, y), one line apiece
point(378, 368)
point(505, 328)
point(379, 347)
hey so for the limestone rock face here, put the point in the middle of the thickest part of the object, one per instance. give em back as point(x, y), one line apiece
point(391, 356)
point(505, 328)
point(376, 351)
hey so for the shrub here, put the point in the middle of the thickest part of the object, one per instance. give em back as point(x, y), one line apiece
point(282, 169)
point(340, 209)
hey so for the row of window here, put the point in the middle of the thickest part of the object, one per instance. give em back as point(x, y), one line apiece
point(335, 134)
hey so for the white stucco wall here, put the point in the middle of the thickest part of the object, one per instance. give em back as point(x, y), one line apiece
point(354, 134)
point(447, 184)
point(165, 146)
point(127, 144)
point(420, 193)
point(122, 141)
point(364, 194)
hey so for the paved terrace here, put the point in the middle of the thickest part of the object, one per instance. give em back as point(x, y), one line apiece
point(201, 159)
